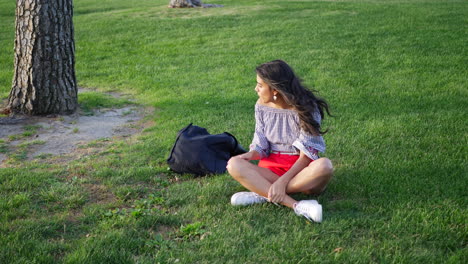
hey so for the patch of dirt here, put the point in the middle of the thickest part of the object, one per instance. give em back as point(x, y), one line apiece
point(67, 137)
point(100, 194)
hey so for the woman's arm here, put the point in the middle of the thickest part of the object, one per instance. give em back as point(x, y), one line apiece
point(277, 191)
point(251, 155)
point(260, 143)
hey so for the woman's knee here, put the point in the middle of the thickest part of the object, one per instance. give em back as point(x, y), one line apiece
point(323, 174)
point(234, 165)
point(325, 167)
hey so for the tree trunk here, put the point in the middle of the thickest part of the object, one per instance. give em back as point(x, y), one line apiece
point(44, 81)
point(185, 3)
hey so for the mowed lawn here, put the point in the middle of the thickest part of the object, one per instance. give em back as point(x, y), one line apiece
point(394, 72)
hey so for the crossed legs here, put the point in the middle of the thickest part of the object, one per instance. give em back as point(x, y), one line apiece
point(313, 179)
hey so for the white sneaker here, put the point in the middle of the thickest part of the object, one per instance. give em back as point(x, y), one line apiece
point(310, 209)
point(247, 198)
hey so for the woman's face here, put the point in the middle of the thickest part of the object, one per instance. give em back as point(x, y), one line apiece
point(263, 91)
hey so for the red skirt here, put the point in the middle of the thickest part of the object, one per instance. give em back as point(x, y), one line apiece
point(278, 163)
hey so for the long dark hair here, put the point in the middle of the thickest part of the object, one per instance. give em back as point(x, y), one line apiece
point(281, 77)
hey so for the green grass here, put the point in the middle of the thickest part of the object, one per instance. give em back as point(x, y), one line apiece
point(95, 100)
point(393, 71)
point(3, 146)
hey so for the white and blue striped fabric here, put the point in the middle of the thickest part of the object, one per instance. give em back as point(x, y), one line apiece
point(278, 130)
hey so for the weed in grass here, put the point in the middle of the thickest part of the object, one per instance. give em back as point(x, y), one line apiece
point(3, 147)
point(157, 242)
point(130, 192)
point(160, 181)
point(49, 195)
point(140, 208)
point(75, 180)
point(21, 152)
point(28, 133)
point(20, 155)
point(44, 156)
point(191, 231)
point(31, 143)
point(96, 143)
point(14, 137)
point(74, 201)
point(115, 212)
point(32, 128)
point(19, 199)
point(151, 201)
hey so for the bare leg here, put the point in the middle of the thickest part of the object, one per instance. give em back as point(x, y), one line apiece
point(254, 178)
point(313, 179)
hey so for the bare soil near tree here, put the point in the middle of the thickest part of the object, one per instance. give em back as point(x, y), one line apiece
point(68, 137)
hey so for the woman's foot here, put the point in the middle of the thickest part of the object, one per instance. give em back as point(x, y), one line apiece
point(247, 198)
point(310, 209)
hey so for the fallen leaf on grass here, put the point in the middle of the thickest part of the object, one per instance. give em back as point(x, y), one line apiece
point(338, 250)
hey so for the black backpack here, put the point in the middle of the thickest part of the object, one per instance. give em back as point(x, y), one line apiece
point(198, 152)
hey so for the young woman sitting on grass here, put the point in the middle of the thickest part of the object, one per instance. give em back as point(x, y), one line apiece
point(287, 140)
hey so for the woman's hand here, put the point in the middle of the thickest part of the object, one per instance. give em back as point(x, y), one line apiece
point(277, 191)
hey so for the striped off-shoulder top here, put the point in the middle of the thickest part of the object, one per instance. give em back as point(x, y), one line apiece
point(278, 130)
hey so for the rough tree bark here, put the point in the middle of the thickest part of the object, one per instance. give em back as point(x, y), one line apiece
point(44, 80)
point(185, 3)
point(190, 3)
